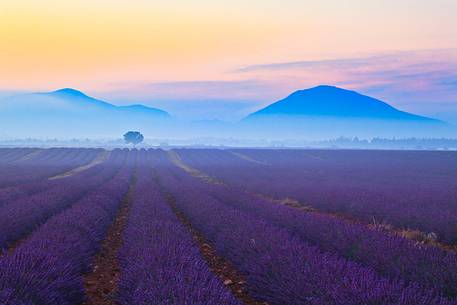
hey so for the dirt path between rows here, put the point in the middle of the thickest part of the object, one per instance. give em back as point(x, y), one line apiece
point(101, 157)
point(101, 283)
point(176, 159)
point(247, 158)
point(415, 235)
point(217, 264)
point(30, 155)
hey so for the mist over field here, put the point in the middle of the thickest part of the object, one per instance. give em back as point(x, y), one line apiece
point(314, 114)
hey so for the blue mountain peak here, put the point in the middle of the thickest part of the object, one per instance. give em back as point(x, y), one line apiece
point(69, 92)
point(332, 101)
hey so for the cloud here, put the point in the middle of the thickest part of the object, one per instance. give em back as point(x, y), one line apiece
point(450, 83)
point(415, 59)
point(330, 63)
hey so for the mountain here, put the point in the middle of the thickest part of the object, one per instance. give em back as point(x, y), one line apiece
point(71, 113)
point(329, 101)
point(145, 110)
point(71, 100)
point(318, 113)
point(327, 111)
point(69, 95)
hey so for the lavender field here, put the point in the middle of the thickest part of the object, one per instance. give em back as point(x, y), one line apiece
point(223, 227)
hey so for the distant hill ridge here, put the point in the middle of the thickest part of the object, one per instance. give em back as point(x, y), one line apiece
point(329, 101)
point(78, 97)
point(72, 94)
point(68, 92)
point(71, 113)
point(321, 112)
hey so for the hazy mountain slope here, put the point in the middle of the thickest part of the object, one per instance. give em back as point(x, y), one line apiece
point(69, 100)
point(329, 112)
point(335, 102)
point(71, 113)
point(319, 113)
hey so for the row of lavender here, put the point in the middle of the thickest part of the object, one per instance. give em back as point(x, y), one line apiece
point(280, 266)
point(47, 268)
point(160, 263)
point(410, 190)
point(37, 176)
point(8, 155)
point(390, 255)
point(21, 216)
point(45, 164)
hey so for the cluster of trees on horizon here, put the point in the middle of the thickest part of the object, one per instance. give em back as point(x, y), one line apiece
point(396, 143)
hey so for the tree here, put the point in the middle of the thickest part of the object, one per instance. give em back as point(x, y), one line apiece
point(133, 137)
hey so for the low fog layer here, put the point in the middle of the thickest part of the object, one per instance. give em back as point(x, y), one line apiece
point(318, 113)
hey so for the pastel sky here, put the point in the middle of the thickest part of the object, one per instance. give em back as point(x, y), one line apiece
point(232, 56)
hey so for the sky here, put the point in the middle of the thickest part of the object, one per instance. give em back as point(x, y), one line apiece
point(222, 59)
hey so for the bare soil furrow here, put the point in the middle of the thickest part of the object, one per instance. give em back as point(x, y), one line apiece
point(101, 283)
point(217, 264)
point(102, 157)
